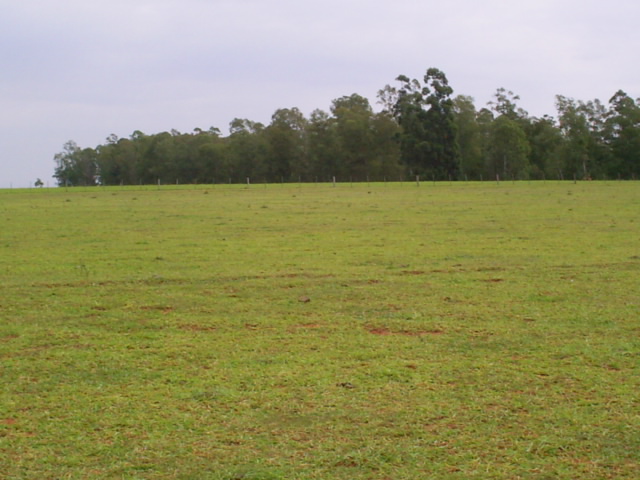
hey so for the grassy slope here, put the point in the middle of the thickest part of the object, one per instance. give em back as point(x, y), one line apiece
point(468, 331)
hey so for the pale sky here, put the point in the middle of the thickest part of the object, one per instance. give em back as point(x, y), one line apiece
point(84, 69)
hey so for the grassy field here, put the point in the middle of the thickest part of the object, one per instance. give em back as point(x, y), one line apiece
point(465, 331)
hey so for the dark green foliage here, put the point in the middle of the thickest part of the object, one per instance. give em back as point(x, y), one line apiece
point(76, 166)
point(421, 131)
point(623, 136)
point(286, 145)
point(322, 143)
point(581, 152)
point(247, 150)
point(366, 142)
point(508, 153)
point(428, 140)
point(469, 134)
point(544, 141)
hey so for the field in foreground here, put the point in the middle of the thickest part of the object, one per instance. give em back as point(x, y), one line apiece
point(466, 331)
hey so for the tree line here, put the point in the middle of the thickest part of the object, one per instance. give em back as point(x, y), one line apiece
point(421, 130)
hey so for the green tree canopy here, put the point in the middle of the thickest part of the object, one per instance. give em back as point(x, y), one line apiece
point(421, 130)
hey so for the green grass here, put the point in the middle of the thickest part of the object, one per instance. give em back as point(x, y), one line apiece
point(465, 331)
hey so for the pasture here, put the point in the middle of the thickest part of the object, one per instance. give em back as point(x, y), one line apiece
point(382, 331)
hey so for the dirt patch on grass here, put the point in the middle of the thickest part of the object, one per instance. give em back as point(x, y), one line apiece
point(414, 272)
point(197, 328)
point(407, 333)
point(308, 325)
point(158, 308)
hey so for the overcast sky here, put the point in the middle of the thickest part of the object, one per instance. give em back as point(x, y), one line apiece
point(84, 69)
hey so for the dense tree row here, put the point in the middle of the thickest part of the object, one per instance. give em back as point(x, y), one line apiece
point(421, 130)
